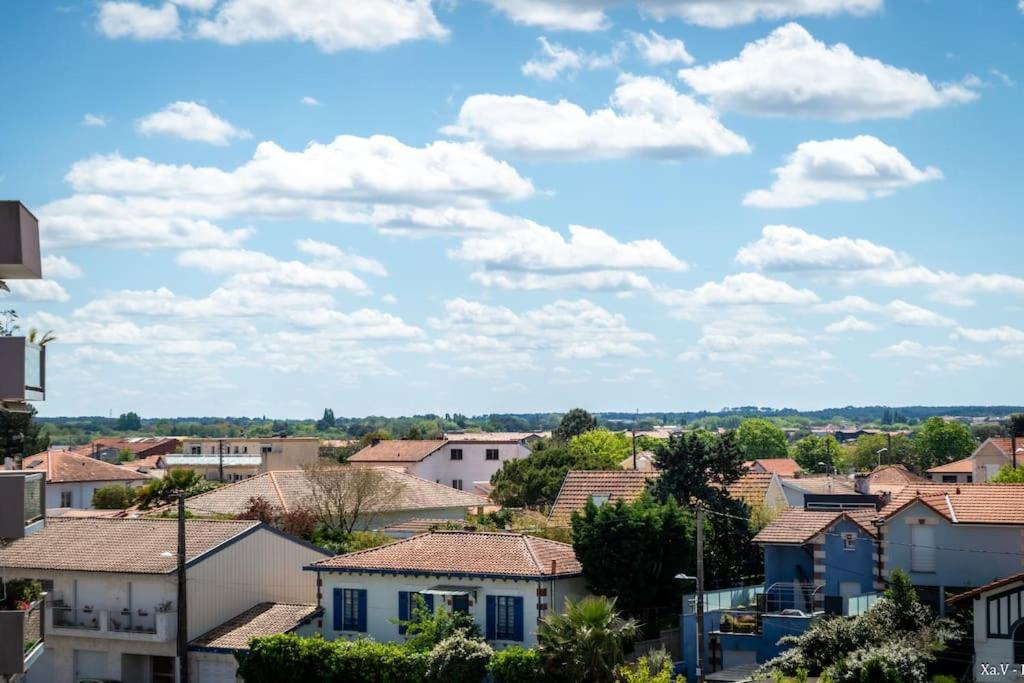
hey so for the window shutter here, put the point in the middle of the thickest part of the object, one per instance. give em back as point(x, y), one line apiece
point(492, 618)
point(339, 610)
point(403, 610)
point(517, 613)
point(361, 626)
point(429, 600)
point(922, 551)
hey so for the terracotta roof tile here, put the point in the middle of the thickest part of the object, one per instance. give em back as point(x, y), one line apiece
point(966, 503)
point(398, 450)
point(477, 553)
point(784, 467)
point(290, 489)
point(752, 487)
point(798, 526)
point(264, 619)
point(134, 546)
point(489, 437)
point(579, 486)
point(150, 445)
point(965, 466)
point(65, 466)
point(819, 484)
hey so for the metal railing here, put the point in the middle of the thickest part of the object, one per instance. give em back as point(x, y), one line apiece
point(35, 498)
point(858, 604)
point(729, 598)
point(145, 624)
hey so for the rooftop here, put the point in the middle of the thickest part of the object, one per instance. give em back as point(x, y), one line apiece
point(798, 526)
point(822, 484)
point(398, 450)
point(752, 487)
point(290, 490)
point(784, 467)
point(422, 526)
point(264, 619)
point(579, 486)
point(965, 466)
point(66, 467)
point(490, 437)
point(133, 546)
point(474, 553)
point(966, 503)
point(208, 460)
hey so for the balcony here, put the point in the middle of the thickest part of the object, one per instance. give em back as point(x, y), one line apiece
point(19, 243)
point(141, 625)
point(21, 638)
point(22, 370)
point(22, 504)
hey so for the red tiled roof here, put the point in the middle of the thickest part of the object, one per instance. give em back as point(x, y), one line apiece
point(579, 486)
point(965, 503)
point(752, 487)
point(822, 484)
point(784, 467)
point(476, 553)
point(398, 450)
point(158, 445)
point(986, 588)
point(798, 526)
point(265, 619)
point(1005, 444)
point(65, 466)
point(965, 466)
point(133, 546)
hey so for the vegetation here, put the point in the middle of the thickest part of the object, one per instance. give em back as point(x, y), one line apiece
point(760, 438)
point(113, 497)
point(516, 665)
point(19, 594)
point(129, 422)
point(586, 642)
point(601, 444)
point(174, 483)
point(577, 421)
point(343, 496)
point(643, 672)
point(864, 453)
point(893, 642)
point(811, 451)
point(534, 481)
point(632, 552)
point(1008, 474)
point(940, 441)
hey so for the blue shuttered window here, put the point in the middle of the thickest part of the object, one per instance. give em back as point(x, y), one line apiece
point(504, 617)
point(407, 606)
point(349, 609)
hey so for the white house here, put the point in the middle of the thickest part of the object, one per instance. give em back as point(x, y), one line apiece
point(998, 628)
point(983, 464)
point(506, 581)
point(408, 498)
point(72, 478)
point(462, 461)
point(112, 593)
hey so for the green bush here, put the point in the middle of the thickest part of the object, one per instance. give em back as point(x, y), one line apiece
point(459, 659)
point(886, 663)
point(373, 662)
point(113, 497)
point(516, 665)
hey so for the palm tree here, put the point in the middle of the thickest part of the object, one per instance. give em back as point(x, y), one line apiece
point(586, 642)
point(34, 337)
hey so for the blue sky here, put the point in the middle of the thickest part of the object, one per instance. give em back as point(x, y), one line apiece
point(258, 207)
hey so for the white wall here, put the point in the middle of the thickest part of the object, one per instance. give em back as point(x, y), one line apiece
point(382, 601)
point(81, 492)
point(473, 467)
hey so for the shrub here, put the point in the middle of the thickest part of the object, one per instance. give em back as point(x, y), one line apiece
point(516, 665)
point(372, 662)
point(641, 672)
point(427, 629)
point(113, 497)
point(458, 659)
point(886, 663)
point(20, 593)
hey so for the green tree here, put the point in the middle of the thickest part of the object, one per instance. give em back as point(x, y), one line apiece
point(601, 443)
point(633, 551)
point(575, 422)
point(129, 422)
point(326, 422)
point(534, 481)
point(8, 319)
point(125, 455)
point(35, 437)
point(166, 490)
point(939, 442)
point(586, 642)
point(1008, 474)
point(1015, 425)
point(864, 453)
point(760, 438)
point(113, 497)
point(812, 450)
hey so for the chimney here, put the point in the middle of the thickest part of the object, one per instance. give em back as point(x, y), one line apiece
point(554, 567)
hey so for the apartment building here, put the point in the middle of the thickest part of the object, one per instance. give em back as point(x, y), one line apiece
point(244, 457)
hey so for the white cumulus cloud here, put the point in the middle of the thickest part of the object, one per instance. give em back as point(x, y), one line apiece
point(555, 59)
point(132, 20)
point(790, 73)
point(656, 49)
point(851, 169)
point(646, 117)
point(190, 121)
point(785, 248)
point(850, 323)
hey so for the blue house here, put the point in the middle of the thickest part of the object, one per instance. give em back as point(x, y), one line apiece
point(815, 562)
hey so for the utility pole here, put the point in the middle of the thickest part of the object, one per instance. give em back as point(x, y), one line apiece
point(220, 456)
point(635, 420)
point(182, 596)
point(700, 592)
point(889, 445)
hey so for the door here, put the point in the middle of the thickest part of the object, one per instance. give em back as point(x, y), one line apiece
point(90, 664)
point(216, 671)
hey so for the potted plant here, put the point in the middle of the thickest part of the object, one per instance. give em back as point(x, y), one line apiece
point(21, 593)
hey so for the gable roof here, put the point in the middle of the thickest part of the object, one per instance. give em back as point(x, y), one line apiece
point(965, 503)
point(798, 526)
point(490, 437)
point(1003, 443)
point(785, 467)
point(139, 444)
point(821, 484)
point(894, 474)
point(579, 485)
point(398, 450)
point(964, 466)
point(132, 546)
point(290, 490)
point(752, 487)
point(64, 467)
point(472, 553)
point(977, 592)
point(264, 619)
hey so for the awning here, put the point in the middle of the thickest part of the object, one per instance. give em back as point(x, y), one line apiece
point(449, 591)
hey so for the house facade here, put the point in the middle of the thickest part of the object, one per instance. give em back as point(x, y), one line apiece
point(71, 479)
point(998, 609)
point(112, 591)
point(243, 457)
point(465, 461)
point(983, 464)
point(507, 582)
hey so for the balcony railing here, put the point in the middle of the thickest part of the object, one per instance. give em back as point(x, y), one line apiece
point(730, 598)
point(21, 638)
point(86, 622)
point(22, 503)
point(22, 370)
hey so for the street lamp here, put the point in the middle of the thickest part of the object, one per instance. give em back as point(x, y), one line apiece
point(879, 454)
point(699, 618)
